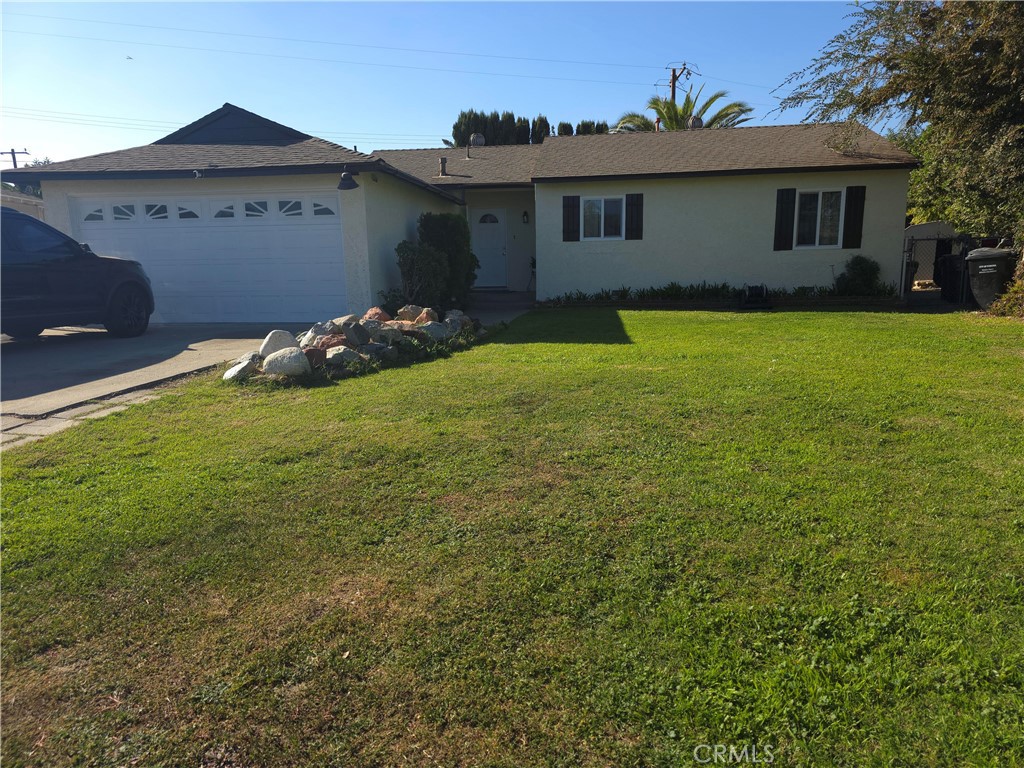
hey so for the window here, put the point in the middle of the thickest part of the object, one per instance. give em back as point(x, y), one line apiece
point(34, 242)
point(224, 211)
point(488, 218)
point(322, 209)
point(819, 218)
point(256, 209)
point(124, 212)
point(93, 214)
point(188, 210)
point(602, 218)
point(290, 207)
point(156, 211)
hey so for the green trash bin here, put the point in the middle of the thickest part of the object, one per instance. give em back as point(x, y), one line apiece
point(990, 271)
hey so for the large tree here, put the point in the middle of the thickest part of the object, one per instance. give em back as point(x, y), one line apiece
point(676, 116)
point(948, 79)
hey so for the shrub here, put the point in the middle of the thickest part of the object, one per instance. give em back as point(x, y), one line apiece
point(424, 272)
point(860, 278)
point(449, 234)
point(1011, 303)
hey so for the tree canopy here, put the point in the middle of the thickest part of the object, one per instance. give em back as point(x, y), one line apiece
point(676, 116)
point(948, 80)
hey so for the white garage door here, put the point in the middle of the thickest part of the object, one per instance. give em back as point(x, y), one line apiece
point(256, 258)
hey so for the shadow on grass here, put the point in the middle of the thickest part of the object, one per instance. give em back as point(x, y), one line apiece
point(597, 325)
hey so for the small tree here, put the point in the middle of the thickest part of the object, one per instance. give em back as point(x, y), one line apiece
point(522, 130)
point(424, 271)
point(586, 128)
point(540, 129)
point(564, 129)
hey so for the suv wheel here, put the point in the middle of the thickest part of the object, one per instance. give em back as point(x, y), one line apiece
point(128, 312)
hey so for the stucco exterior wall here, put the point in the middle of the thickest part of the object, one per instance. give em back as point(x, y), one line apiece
point(714, 229)
point(520, 238)
point(393, 208)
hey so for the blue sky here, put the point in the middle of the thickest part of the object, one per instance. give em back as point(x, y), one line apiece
point(377, 75)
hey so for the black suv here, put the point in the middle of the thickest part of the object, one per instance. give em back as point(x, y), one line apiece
point(49, 280)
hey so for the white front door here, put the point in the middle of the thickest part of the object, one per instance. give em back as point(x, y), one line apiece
point(488, 237)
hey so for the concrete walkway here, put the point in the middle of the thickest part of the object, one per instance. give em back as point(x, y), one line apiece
point(493, 307)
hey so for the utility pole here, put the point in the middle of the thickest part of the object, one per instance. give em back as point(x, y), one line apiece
point(684, 71)
point(14, 155)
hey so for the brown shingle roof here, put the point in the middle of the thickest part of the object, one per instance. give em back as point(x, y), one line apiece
point(486, 166)
point(714, 151)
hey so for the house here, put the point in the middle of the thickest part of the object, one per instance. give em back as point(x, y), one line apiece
point(238, 218)
point(773, 205)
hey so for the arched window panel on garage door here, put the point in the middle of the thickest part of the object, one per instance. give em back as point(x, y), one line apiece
point(323, 206)
point(188, 210)
point(123, 211)
point(156, 211)
point(256, 209)
point(289, 208)
point(223, 209)
point(91, 211)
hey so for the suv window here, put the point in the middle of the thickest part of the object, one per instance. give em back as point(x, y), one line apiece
point(31, 242)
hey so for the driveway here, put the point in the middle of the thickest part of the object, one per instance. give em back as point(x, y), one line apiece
point(66, 367)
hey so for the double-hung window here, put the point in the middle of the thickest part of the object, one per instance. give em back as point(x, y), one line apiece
point(819, 218)
point(603, 218)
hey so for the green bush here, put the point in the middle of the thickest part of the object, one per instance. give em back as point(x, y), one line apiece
point(424, 272)
point(860, 278)
point(1011, 303)
point(449, 234)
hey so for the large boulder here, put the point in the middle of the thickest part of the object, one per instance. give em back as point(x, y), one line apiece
point(371, 325)
point(436, 331)
point(376, 313)
point(454, 325)
point(464, 320)
point(426, 316)
point(356, 334)
point(243, 367)
point(409, 312)
point(277, 341)
point(290, 361)
point(373, 350)
point(342, 356)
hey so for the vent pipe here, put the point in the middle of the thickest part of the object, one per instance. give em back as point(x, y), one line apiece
point(443, 163)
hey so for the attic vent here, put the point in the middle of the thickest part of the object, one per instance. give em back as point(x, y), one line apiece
point(477, 140)
point(694, 123)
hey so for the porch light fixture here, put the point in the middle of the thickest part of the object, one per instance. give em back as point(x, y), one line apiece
point(526, 217)
point(347, 182)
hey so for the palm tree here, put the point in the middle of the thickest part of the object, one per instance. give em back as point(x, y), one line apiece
point(676, 117)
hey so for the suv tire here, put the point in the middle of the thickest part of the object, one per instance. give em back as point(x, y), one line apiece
point(128, 312)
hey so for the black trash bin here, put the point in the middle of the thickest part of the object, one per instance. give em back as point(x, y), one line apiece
point(990, 270)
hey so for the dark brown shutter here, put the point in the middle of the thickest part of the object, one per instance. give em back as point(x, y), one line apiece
point(634, 217)
point(570, 218)
point(853, 220)
point(785, 213)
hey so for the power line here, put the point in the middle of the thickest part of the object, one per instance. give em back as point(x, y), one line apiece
point(336, 43)
point(328, 61)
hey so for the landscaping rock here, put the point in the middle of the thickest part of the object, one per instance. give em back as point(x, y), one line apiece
point(387, 335)
point(243, 367)
point(290, 361)
point(254, 356)
point(373, 350)
point(316, 357)
point(356, 334)
point(436, 331)
point(344, 320)
point(342, 356)
point(426, 316)
point(456, 314)
point(454, 325)
point(376, 313)
point(277, 341)
point(371, 325)
point(334, 340)
point(408, 312)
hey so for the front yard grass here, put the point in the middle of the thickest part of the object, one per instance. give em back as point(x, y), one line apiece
point(602, 539)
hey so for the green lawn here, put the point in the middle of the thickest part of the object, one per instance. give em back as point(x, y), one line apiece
point(601, 539)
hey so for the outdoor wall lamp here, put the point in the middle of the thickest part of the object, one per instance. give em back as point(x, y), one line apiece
point(526, 217)
point(347, 182)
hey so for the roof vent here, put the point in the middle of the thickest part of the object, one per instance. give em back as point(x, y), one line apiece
point(694, 123)
point(443, 163)
point(477, 140)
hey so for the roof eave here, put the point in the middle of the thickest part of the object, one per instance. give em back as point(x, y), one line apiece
point(730, 172)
